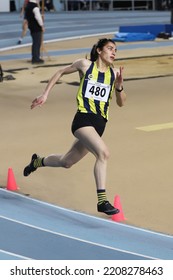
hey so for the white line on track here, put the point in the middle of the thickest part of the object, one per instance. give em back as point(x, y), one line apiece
point(77, 239)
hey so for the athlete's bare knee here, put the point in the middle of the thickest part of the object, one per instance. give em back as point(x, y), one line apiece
point(66, 163)
point(104, 154)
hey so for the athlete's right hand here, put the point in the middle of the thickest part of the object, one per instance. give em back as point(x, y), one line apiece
point(38, 101)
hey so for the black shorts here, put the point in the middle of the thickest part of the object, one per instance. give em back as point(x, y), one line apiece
point(89, 119)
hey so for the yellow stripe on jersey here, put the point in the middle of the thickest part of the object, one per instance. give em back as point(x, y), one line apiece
point(79, 97)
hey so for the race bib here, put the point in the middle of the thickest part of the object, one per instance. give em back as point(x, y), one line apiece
point(97, 91)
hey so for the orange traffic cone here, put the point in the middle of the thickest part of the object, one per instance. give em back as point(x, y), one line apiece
point(117, 204)
point(11, 182)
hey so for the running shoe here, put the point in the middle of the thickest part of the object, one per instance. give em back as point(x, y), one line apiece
point(30, 167)
point(107, 208)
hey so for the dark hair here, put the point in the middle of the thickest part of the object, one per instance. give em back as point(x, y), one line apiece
point(100, 44)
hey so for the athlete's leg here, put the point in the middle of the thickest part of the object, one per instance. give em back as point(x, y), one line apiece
point(76, 153)
point(94, 143)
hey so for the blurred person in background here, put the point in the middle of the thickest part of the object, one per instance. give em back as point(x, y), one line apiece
point(36, 27)
point(24, 23)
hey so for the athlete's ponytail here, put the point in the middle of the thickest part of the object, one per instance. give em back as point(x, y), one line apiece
point(100, 44)
point(94, 53)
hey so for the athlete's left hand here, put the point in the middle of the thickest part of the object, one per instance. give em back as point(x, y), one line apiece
point(119, 77)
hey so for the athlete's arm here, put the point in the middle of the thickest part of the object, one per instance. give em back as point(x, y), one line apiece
point(78, 65)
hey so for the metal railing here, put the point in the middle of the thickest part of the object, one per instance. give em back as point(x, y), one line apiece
point(109, 4)
point(97, 4)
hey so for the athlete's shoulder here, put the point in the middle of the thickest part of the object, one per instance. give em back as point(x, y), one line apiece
point(83, 62)
point(82, 65)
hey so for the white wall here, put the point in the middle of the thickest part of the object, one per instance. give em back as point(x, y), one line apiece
point(4, 5)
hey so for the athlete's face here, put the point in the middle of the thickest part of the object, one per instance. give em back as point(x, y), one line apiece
point(108, 53)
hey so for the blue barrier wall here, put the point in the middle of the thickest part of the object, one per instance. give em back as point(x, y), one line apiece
point(153, 29)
